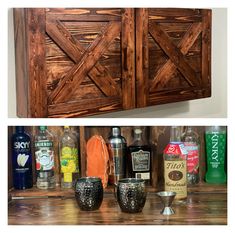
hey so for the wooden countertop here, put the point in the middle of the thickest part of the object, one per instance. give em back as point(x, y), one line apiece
point(201, 209)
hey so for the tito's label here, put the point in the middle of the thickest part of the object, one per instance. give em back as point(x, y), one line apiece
point(175, 177)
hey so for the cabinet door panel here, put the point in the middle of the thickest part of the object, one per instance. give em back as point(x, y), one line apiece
point(86, 71)
point(173, 55)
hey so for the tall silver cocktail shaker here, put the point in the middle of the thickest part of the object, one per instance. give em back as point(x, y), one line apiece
point(117, 152)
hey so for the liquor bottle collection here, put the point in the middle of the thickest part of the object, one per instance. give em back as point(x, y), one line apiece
point(134, 160)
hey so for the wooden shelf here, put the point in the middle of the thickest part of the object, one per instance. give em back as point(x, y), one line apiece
point(59, 192)
point(200, 209)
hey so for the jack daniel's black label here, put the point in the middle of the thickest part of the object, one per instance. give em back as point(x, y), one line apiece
point(140, 160)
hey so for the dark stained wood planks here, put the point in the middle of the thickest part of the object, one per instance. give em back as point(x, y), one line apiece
point(206, 48)
point(202, 209)
point(21, 60)
point(30, 62)
point(36, 58)
point(142, 57)
point(168, 69)
point(175, 54)
point(130, 57)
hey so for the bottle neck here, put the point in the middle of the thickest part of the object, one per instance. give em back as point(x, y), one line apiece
point(116, 132)
point(66, 129)
point(175, 134)
point(42, 129)
point(138, 137)
point(189, 129)
point(20, 129)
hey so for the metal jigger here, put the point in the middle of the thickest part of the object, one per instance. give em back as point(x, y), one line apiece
point(167, 199)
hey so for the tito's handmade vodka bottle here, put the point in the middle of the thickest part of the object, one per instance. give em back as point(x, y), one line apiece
point(175, 166)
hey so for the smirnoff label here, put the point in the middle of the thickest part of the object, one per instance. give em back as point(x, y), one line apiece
point(44, 154)
point(175, 177)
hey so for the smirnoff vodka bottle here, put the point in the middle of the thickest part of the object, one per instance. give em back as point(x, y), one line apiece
point(45, 162)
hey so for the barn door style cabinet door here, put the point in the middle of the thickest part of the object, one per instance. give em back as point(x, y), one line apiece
point(79, 62)
point(173, 55)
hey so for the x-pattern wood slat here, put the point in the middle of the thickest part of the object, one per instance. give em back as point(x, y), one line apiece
point(99, 74)
point(176, 54)
point(167, 70)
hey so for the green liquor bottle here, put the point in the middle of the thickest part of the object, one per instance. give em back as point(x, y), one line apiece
point(215, 151)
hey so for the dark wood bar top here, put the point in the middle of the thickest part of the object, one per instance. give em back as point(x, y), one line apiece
point(200, 209)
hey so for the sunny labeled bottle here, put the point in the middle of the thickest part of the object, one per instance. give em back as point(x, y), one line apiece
point(45, 158)
point(68, 158)
point(21, 159)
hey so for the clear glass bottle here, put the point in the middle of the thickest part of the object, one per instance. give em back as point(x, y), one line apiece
point(68, 158)
point(45, 161)
point(140, 158)
point(21, 159)
point(191, 143)
point(175, 165)
point(117, 155)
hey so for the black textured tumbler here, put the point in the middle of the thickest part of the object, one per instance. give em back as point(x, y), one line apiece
point(89, 193)
point(131, 194)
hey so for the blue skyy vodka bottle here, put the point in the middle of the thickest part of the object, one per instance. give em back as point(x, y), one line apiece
point(21, 159)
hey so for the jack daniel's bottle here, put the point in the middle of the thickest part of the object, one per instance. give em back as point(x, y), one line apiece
point(139, 158)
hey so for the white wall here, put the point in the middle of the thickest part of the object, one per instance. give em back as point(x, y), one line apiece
point(216, 106)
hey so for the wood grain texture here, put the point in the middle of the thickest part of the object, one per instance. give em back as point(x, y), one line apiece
point(128, 59)
point(75, 76)
point(182, 49)
point(206, 48)
point(142, 57)
point(173, 53)
point(175, 15)
point(36, 53)
point(73, 49)
point(168, 69)
point(136, 57)
point(84, 107)
point(202, 209)
point(21, 59)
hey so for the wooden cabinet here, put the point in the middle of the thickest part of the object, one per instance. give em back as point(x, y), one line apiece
point(79, 62)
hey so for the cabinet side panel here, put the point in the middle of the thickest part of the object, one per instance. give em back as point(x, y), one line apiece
point(21, 61)
point(37, 65)
point(206, 48)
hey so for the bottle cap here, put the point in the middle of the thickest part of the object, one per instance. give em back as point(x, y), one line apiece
point(116, 131)
point(137, 131)
point(42, 128)
point(19, 129)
